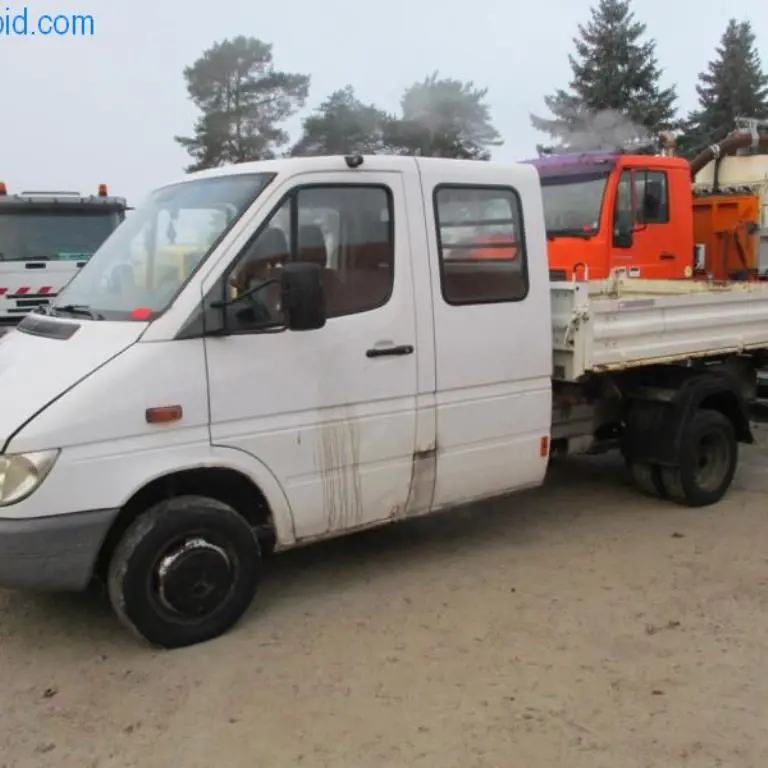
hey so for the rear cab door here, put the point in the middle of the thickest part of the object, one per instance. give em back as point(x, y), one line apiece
point(492, 327)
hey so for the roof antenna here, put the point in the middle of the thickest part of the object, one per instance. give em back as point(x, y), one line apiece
point(353, 161)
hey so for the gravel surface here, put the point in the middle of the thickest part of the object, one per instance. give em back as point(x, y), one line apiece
point(580, 625)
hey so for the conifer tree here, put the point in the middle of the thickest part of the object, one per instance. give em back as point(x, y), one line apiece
point(733, 85)
point(615, 95)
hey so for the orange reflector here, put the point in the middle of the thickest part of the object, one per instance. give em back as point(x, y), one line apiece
point(544, 447)
point(102, 190)
point(163, 414)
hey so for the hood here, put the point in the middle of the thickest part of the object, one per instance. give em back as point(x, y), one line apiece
point(36, 369)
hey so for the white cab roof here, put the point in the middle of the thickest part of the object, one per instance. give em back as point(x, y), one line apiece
point(336, 163)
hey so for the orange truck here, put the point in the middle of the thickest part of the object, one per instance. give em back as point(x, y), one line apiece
point(605, 211)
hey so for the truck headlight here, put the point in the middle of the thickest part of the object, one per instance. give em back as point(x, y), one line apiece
point(21, 473)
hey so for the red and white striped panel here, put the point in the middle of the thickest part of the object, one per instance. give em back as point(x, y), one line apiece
point(26, 290)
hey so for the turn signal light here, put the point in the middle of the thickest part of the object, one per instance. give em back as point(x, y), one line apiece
point(3, 189)
point(163, 414)
point(102, 190)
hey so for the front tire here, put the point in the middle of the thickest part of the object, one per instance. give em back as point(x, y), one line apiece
point(708, 456)
point(184, 572)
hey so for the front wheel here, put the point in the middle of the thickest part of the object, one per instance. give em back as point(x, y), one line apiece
point(707, 462)
point(184, 572)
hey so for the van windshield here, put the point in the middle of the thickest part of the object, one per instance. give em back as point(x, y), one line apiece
point(145, 262)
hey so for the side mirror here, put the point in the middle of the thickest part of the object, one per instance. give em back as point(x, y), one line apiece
point(303, 298)
point(623, 238)
point(645, 210)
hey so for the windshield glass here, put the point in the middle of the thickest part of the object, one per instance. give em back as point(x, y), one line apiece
point(67, 233)
point(145, 262)
point(572, 204)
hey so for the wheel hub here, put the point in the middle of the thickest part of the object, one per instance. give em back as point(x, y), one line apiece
point(711, 461)
point(194, 578)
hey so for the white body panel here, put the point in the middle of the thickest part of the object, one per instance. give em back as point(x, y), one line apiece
point(493, 400)
point(34, 370)
point(629, 323)
point(337, 429)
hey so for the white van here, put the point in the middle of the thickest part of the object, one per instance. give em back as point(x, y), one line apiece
point(317, 367)
point(160, 431)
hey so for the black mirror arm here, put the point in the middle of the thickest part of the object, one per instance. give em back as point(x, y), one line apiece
point(222, 303)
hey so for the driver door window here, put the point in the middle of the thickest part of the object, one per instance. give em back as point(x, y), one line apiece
point(257, 299)
point(347, 231)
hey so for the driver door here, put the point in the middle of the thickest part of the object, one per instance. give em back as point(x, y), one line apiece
point(331, 412)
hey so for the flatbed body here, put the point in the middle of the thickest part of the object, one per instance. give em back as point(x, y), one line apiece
point(623, 323)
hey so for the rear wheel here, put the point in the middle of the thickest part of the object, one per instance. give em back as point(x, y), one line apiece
point(184, 572)
point(707, 462)
point(647, 477)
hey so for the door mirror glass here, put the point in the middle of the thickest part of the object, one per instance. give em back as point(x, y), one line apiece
point(302, 299)
point(623, 238)
point(644, 209)
point(623, 219)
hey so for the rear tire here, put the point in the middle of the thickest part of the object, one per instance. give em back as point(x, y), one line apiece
point(184, 572)
point(708, 456)
point(647, 477)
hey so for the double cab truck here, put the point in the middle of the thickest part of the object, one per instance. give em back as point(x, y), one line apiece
point(317, 366)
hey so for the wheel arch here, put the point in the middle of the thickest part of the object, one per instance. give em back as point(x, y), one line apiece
point(656, 419)
point(226, 484)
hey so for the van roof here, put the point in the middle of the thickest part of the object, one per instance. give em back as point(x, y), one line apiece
point(327, 163)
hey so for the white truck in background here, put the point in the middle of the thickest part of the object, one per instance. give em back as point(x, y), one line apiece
point(288, 382)
point(45, 237)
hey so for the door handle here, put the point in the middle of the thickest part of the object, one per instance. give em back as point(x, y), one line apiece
point(403, 349)
point(667, 256)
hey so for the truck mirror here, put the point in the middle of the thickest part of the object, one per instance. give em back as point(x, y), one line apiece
point(646, 209)
point(303, 298)
point(623, 238)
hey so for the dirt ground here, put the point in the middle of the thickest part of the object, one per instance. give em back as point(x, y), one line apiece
point(579, 626)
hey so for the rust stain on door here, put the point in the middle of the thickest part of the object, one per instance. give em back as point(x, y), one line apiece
point(339, 462)
point(421, 491)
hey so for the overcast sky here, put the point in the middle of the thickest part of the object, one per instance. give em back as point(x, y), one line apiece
point(76, 112)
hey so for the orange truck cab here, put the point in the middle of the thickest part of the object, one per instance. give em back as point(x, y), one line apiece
point(605, 211)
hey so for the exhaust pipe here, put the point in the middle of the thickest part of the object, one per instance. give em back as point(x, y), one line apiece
point(728, 146)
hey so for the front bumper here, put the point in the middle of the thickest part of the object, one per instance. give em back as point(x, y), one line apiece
point(51, 554)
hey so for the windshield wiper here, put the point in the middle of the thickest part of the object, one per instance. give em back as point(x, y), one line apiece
point(76, 310)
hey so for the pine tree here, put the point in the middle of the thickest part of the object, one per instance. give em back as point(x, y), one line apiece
point(243, 100)
point(734, 85)
point(342, 124)
point(614, 96)
point(443, 117)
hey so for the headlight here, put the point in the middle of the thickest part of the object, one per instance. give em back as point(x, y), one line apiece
point(21, 473)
